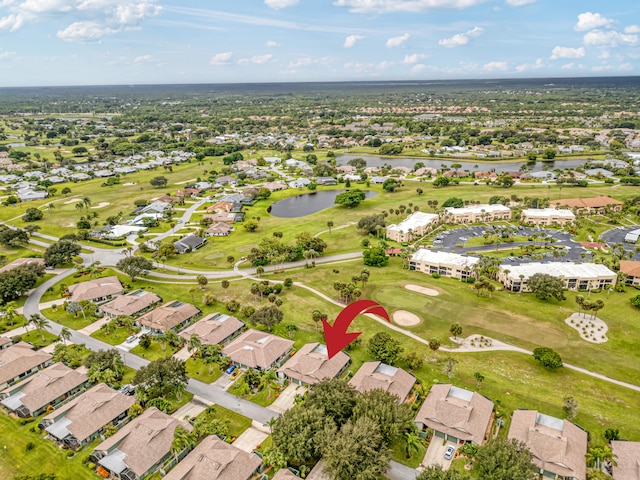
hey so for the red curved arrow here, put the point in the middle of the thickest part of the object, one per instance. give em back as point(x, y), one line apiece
point(336, 336)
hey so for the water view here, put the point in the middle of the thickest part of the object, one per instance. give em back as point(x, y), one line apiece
point(307, 203)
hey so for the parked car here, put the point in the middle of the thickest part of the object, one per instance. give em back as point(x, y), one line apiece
point(131, 338)
point(230, 369)
point(448, 453)
point(236, 373)
point(127, 389)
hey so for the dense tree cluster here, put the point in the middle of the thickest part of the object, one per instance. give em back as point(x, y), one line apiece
point(16, 282)
point(272, 250)
point(61, 252)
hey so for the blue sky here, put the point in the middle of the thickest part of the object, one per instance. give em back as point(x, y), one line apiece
point(97, 42)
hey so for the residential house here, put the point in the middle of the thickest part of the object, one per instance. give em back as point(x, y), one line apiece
point(97, 291)
point(415, 225)
point(45, 389)
point(113, 232)
point(157, 207)
point(590, 205)
point(259, 350)
point(327, 181)
point(140, 448)
point(632, 270)
point(627, 460)
point(21, 262)
point(173, 315)
point(28, 194)
point(226, 180)
point(311, 364)
point(558, 446)
point(599, 172)
point(547, 216)
point(103, 173)
point(133, 304)
point(214, 329)
point(5, 342)
point(218, 229)
point(188, 192)
point(215, 459)
point(78, 177)
point(83, 419)
point(378, 180)
point(300, 183)
point(477, 213)
point(169, 199)
point(352, 177)
point(225, 217)
point(144, 219)
point(456, 414)
point(236, 197)
point(274, 186)
point(220, 206)
point(286, 474)
point(19, 361)
point(575, 276)
point(189, 243)
point(444, 264)
point(378, 375)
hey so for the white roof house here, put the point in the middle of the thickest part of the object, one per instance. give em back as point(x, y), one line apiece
point(417, 223)
point(632, 236)
point(443, 258)
point(478, 209)
point(547, 212)
point(560, 269)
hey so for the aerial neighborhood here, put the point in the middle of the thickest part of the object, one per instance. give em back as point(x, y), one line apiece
point(168, 274)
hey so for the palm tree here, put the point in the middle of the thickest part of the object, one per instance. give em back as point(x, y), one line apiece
point(40, 323)
point(412, 444)
point(86, 202)
point(162, 338)
point(171, 337)
point(291, 330)
point(182, 439)
point(65, 334)
point(580, 302)
point(193, 343)
point(267, 380)
point(330, 225)
point(316, 316)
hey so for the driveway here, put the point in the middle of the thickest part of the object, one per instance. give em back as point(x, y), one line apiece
point(287, 398)
point(192, 409)
point(182, 354)
point(435, 454)
point(250, 439)
point(224, 381)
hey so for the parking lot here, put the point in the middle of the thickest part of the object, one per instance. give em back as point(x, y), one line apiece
point(616, 235)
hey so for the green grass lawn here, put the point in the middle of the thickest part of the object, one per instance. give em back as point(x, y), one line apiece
point(264, 397)
point(45, 457)
point(62, 317)
point(116, 337)
point(198, 370)
point(399, 454)
point(35, 338)
point(237, 423)
point(154, 352)
point(176, 402)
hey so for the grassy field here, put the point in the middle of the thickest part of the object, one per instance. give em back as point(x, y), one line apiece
point(35, 338)
point(198, 370)
point(116, 337)
point(154, 352)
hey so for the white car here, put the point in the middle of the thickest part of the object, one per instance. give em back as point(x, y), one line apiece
point(448, 453)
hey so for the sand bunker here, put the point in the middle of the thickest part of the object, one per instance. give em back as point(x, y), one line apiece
point(72, 200)
point(128, 184)
point(101, 205)
point(423, 290)
point(591, 329)
point(186, 181)
point(405, 319)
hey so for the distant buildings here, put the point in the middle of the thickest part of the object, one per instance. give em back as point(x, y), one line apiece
point(632, 271)
point(477, 213)
point(576, 276)
point(547, 216)
point(414, 226)
point(590, 205)
point(444, 264)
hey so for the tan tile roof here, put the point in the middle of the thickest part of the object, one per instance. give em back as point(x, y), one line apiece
point(18, 359)
point(92, 410)
point(257, 349)
point(558, 446)
point(214, 459)
point(145, 440)
point(219, 227)
point(131, 303)
point(100, 287)
point(220, 206)
point(220, 217)
point(627, 456)
point(285, 474)
point(168, 315)
point(378, 375)
point(213, 329)
point(4, 341)
point(592, 202)
point(456, 412)
point(630, 268)
point(47, 385)
point(19, 262)
point(311, 364)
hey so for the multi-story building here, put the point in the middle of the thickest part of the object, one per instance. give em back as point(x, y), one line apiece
point(547, 216)
point(477, 213)
point(444, 264)
point(414, 226)
point(576, 276)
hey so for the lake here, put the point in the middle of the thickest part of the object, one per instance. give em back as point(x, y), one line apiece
point(307, 203)
point(373, 161)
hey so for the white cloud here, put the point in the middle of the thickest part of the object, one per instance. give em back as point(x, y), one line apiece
point(221, 58)
point(397, 41)
point(625, 67)
point(589, 21)
point(85, 32)
point(460, 39)
point(307, 61)
point(351, 40)
point(278, 4)
point(11, 22)
point(609, 38)
point(143, 59)
point(495, 66)
point(601, 68)
point(272, 44)
point(257, 59)
point(567, 52)
point(132, 14)
point(389, 6)
point(604, 55)
point(7, 55)
point(568, 66)
point(530, 66)
point(520, 3)
point(418, 68)
point(632, 29)
point(414, 58)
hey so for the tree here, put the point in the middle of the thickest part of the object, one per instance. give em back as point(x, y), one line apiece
point(61, 252)
point(160, 377)
point(356, 452)
point(436, 472)
point(230, 260)
point(275, 458)
point(330, 225)
point(99, 362)
point(545, 286)
point(412, 443)
point(65, 334)
point(375, 256)
point(384, 348)
point(202, 281)
point(503, 459)
point(288, 282)
point(194, 343)
point(182, 439)
point(135, 266)
point(369, 223)
point(390, 185)
point(296, 434)
point(208, 424)
point(267, 316)
point(434, 344)
point(441, 181)
point(479, 379)
point(40, 323)
point(392, 418)
point(18, 281)
point(570, 407)
point(32, 215)
point(453, 202)
point(251, 225)
point(449, 365)
point(611, 434)
point(547, 357)
point(351, 198)
point(456, 330)
point(166, 250)
point(335, 398)
point(65, 191)
point(159, 182)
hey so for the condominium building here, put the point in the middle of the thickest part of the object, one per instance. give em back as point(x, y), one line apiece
point(477, 213)
point(443, 263)
point(547, 216)
point(576, 276)
point(414, 226)
point(590, 205)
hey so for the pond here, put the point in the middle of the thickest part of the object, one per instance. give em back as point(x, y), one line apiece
point(373, 161)
point(307, 203)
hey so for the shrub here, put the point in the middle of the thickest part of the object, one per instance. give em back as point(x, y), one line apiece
point(435, 275)
point(29, 446)
point(16, 338)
